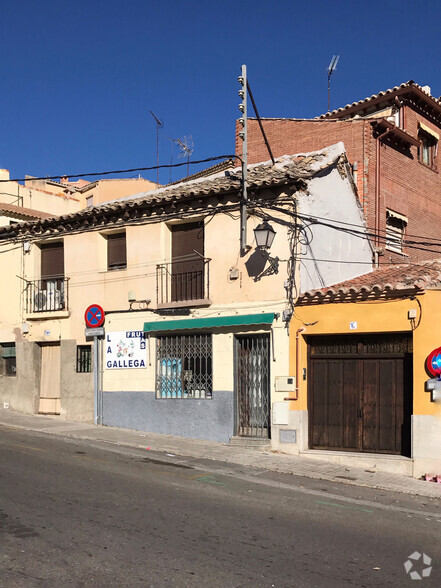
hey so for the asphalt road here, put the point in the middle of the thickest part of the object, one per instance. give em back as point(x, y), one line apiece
point(81, 514)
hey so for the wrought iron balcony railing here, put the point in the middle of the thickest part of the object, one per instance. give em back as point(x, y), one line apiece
point(48, 295)
point(183, 281)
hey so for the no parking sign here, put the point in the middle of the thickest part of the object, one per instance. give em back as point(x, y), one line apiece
point(94, 316)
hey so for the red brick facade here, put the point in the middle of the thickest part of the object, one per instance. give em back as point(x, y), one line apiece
point(406, 185)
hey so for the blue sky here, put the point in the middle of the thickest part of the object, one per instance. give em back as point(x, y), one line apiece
point(79, 78)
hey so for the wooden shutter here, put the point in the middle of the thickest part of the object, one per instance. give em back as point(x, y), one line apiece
point(186, 239)
point(116, 251)
point(52, 260)
point(187, 262)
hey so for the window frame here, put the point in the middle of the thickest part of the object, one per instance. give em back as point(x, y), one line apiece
point(9, 360)
point(427, 151)
point(395, 234)
point(84, 362)
point(120, 262)
point(184, 366)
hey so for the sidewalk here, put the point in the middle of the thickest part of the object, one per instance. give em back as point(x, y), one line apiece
point(261, 459)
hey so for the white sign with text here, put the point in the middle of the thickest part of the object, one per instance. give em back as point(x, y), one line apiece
point(125, 349)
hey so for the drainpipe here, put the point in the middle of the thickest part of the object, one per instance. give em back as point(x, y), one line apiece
point(377, 187)
point(301, 330)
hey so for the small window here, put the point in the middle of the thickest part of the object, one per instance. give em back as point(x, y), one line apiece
point(184, 366)
point(395, 227)
point(84, 359)
point(89, 201)
point(8, 355)
point(428, 148)
point(116, 251)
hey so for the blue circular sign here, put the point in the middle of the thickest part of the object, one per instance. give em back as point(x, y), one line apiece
point(94, 316)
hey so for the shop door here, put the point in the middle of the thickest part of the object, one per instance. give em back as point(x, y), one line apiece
point(360, 403)
point(50, 380)
point(252, 385)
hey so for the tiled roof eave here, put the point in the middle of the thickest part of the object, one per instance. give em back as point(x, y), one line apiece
point(338, 297)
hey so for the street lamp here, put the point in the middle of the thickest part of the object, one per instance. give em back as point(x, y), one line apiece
point(264, 235)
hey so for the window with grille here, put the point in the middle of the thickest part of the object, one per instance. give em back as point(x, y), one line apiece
point(116, 251)
point(395, 228)
point(84, 359)
point(8, 359)
point(184, 366)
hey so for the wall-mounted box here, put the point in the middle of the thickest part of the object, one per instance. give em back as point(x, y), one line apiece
point(285, 384)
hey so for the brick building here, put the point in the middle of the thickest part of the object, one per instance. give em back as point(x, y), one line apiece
point(391, 139)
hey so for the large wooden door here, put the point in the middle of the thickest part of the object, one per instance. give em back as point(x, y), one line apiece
point(360, 403)
point(50, 380)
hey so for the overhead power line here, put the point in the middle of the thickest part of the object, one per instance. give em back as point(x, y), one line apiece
point(124, 171)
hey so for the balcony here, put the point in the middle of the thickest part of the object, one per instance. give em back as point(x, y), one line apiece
point(183, 283)
point(45, 296)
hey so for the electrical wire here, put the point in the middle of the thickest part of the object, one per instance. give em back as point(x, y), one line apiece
point(124, 171)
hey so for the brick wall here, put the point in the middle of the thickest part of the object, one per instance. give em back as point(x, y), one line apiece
point(406, 185)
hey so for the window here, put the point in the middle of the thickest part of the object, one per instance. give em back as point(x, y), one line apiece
point(429, 145)
point(89, 201)
point(116, 251)
point(8, 359)
point(187, 271)
point(52, 260)
point(184, 366)
point(395, 227)
point(84, 359)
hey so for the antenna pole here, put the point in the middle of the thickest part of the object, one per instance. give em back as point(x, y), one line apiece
point(243, 134)
point(332, 67)
point(158, 125)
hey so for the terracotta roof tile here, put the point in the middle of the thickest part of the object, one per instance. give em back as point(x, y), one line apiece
point(396, 281)
point(410, 84)
point(14, 210)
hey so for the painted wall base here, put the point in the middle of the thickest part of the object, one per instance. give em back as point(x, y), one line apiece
point(211, 419)
point(284, 423)
point(426, 444)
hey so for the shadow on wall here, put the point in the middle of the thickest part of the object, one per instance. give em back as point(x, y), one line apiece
point(255, 264)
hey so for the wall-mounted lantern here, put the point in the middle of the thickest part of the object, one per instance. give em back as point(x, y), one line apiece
point(264, 235)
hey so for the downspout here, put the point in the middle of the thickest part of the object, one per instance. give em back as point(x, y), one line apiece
point(301, 330)
point(377, 192)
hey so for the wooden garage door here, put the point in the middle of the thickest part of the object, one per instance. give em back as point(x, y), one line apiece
point(360, 403)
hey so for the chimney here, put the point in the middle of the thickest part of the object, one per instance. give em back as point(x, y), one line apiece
point(64, 180)
point(4, 174)
point(427, 89)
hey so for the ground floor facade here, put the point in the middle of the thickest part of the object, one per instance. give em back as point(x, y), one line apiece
point(210, 374)
point(361, 384)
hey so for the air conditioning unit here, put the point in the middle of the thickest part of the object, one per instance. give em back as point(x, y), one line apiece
point(40, 301)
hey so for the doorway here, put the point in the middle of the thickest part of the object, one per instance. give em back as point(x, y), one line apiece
point(253, 385)
point(50, 379)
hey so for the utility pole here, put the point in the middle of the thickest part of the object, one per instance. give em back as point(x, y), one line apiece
point(243, 134)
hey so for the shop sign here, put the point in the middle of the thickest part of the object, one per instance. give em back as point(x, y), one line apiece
point(125, 350)
point(433, 362)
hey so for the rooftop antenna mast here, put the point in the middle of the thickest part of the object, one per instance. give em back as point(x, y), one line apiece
point(332, 67)
point(186, 147)
point(159, 124)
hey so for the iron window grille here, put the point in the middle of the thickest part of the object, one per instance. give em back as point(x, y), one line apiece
point(84, 359)
point(8, 355)
point(184, 366)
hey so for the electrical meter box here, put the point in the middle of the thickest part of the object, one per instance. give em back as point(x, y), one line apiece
point(285, 384)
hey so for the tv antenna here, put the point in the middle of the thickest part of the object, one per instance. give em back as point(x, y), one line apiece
point(332, 67)
point(186, 148)
point(159, 124)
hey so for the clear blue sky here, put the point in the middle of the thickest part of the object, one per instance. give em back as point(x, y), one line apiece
point(79, 77)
